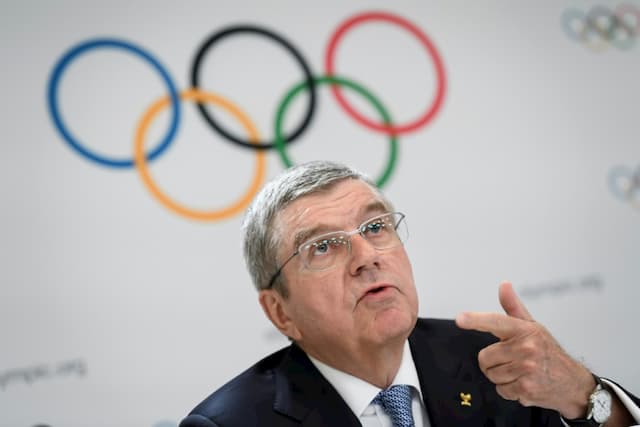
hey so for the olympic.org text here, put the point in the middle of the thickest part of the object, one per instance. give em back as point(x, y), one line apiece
point(590, 283)
point(42, 372)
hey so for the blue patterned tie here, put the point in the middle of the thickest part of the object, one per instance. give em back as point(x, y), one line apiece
point(396, 402)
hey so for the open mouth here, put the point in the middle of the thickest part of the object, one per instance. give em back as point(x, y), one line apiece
point(377, 293)
point(376, 290)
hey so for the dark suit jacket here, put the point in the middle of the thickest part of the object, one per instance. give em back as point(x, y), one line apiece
point(285, 389)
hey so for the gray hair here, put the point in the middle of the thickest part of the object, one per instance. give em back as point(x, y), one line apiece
point(261, 238)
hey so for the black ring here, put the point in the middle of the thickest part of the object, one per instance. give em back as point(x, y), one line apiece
point(280, 40)
point(598, 11)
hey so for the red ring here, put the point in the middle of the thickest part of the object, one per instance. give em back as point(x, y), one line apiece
point(440, 74)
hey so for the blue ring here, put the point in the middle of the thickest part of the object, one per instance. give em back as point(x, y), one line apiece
point(614, 175)
point(567, 17)
point(52, 97)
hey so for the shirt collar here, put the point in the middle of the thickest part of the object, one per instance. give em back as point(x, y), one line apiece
point(358, 393)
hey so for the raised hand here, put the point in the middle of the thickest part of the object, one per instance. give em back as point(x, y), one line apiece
point(528, 364)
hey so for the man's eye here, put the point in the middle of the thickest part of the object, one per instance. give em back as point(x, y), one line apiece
point(321, 247)
point(327, 246)
point(375, 227)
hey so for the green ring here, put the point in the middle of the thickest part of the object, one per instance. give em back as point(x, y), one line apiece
point(279, 137)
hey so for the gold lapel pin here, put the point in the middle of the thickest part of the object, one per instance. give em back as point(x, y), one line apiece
point(465, 399)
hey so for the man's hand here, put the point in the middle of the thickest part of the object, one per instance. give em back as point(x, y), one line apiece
point(527, 364)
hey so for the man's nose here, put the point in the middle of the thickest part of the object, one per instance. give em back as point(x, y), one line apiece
point(363, 255)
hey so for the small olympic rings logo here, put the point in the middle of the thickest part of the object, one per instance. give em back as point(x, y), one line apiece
point(624, 183)
point(601, 26)
point(252, 140)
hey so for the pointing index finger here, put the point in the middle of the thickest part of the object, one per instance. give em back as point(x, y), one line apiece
point(500, 325)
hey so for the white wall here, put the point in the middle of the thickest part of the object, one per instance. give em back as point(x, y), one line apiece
point(116, 311)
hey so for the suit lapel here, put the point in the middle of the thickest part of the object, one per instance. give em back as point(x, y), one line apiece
point(445, 373)
point(304, 395)
point(446, 365)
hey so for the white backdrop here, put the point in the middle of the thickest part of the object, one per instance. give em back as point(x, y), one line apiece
point(116, 311)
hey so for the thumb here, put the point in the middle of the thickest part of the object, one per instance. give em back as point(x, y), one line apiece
point(511, 303)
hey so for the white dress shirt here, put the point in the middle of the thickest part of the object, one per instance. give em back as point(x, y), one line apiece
point(358, 393)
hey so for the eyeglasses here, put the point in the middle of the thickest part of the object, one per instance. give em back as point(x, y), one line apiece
point(323, 252)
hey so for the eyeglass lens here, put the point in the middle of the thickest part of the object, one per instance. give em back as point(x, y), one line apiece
point(382, 232)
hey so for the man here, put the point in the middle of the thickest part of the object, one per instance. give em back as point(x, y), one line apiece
point(359, 354)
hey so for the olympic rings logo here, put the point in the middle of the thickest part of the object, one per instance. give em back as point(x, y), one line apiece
point(601, 26)
point(624, 183)
point(310, 83)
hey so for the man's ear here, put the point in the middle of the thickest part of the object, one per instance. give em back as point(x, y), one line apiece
point(276, 308)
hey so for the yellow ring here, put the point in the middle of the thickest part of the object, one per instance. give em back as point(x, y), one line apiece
point(140, 160)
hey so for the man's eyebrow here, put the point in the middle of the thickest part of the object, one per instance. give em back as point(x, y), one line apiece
point(374, 207)
point(302, 236)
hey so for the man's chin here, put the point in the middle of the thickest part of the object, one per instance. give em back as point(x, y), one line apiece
point(392, 324)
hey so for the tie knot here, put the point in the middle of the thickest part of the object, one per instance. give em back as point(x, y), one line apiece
point(396, 401)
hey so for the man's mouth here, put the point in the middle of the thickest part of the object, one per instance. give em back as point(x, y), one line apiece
point(376, 292)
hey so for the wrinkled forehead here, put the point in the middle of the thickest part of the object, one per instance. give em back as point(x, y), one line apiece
point(343, 206)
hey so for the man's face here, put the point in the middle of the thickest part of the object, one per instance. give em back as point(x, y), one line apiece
point(366, 300)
